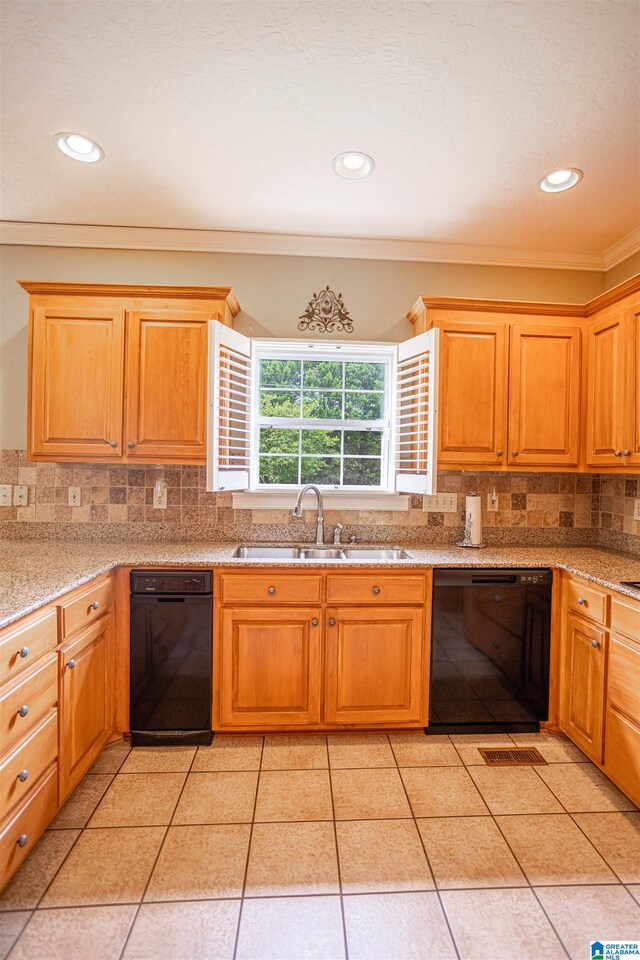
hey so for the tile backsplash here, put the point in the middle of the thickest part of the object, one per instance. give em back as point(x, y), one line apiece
point(117, 503)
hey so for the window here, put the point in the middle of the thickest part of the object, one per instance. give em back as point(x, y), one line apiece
point(344, 416)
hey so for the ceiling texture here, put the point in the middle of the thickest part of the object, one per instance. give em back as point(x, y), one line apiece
point(225, 116)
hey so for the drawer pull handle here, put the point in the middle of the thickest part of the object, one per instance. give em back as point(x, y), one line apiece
point(332, 622)
point(131, 444)
point(582, 601)
point(23, 775)
point(500, 452)
point(23, 652)
point(271, 590)
point(626, 453)
point(71, 664)
point(515, 453)
point(23, 711)
point(114, 443)
point(617, 453)
point(315, 622)
point(95, 605)
point(23, 839)
point(595, 643)
point(376, 590)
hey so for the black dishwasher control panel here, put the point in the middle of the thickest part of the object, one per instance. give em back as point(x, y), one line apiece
point(170, 581)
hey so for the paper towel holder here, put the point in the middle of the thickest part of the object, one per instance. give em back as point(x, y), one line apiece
point(466, 539)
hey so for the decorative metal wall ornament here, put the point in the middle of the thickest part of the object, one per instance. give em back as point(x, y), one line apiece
point(326, 312)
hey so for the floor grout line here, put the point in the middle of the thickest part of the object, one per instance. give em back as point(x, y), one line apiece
point(335, 838)
point(246, 866)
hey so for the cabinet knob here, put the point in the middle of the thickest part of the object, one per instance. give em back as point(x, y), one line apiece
point(95, 605)
point(514, 453)
point(131, 444)
point(23, 839)
point(23, 775)
point(595, 643)
point(376, 590)
point(617, 453)
point(23, 652)
point(315, 622)
point(271, 590)
point(582, 601)
point(332, 622)
point(71, 664)
point(499, 453)
point(114, 443)
point(626, 453)
point(23, 711)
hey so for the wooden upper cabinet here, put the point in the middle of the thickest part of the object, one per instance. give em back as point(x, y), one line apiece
point(544, 395)
point(632, 426)
point(76, 392)
point(473, 392)
point(606, 375)
point(166, 403)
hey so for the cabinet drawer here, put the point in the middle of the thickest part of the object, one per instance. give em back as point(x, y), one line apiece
point(588, 601)
point(28, 823)
point(38, 692)
point(270, 588)
point(31, 756)
point(82, 608)
point(376, 588)
point(23, 642)
point(622, 753)
point(625, 617)
point(623, 687)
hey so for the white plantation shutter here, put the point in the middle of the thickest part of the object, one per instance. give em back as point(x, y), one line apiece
point(417, 414)
point(229, 425)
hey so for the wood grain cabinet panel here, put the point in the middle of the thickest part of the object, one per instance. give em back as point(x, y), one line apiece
point(473, 392)
point(27, 824)
point(26, 701)
point(166, 410)
point(606, 363)
point(582, 685)
point(21, 769)
point(632, 425)
point(22, 643)
point(544, 395)
point(86, 700)
point(374, 665)
point(270, 666)
point(76, 384)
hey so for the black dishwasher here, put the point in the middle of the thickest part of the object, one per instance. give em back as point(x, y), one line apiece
point(489, 650)
point(171, 657)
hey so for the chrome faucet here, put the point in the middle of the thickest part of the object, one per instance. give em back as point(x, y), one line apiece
point(337, 533)
point(297, 511)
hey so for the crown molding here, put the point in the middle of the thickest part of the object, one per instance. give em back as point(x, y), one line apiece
point(624, 248)
point(46, 288)
point(280, 244)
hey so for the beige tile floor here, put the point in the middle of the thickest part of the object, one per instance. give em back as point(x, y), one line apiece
point(387, 847)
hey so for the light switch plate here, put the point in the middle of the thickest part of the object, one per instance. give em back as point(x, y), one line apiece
point(20, 495)
point(636, 509)
point(75, 497)
point(441, 503)
point(5, 495)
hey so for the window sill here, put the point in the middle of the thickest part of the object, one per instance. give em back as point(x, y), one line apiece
point(333, 500)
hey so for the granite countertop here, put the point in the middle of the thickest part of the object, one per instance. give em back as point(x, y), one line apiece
point(33, 573)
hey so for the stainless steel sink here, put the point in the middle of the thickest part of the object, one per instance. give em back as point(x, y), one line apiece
point(250, 552)
point(321, 553)
point(373, 553)
point(267, 553)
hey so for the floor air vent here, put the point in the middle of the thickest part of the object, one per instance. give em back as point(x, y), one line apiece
point(510, 757)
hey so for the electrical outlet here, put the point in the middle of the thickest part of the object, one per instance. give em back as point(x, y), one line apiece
point(20, 496)
point(5, 495)
point(75, 497)
point(636, 509)
point(441, 503)
point(492, 503)
point(160, 499)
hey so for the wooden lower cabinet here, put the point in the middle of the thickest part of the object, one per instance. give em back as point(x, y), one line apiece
point(270, 666)
point(20, 831)
point(374, 665)
point(582, 685)
point(622, 725)
point(86, 700)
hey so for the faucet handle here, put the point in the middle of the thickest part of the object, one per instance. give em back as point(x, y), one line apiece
point(337, 533)
point(352, 539)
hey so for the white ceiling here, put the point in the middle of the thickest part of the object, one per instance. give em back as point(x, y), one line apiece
point(226, 115)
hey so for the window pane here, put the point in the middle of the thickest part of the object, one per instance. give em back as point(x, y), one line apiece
point(280, 373)
point(274, 440)
point(364, 376)
point(321, 441)
point(362, 443)
point(323, 373)
point(322, 406)
point(278, 470)
point(363, 406)
point(363, 473)
point(279, 403)
point(320, 470)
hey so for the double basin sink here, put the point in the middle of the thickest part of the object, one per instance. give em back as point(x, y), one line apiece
point(320, 553)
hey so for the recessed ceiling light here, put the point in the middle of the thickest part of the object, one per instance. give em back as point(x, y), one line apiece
point(353, 165)
point(561, 180)
point(78, 147)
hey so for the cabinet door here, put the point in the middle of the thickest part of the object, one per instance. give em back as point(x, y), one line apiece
point(632, 405)
point(270, 666)
point(166, 386)
point(76, 383)
point(582, 685)
point(86, 701)
point(544, 395)
point(374, 665)
point(473, 393)
point(605, 389)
